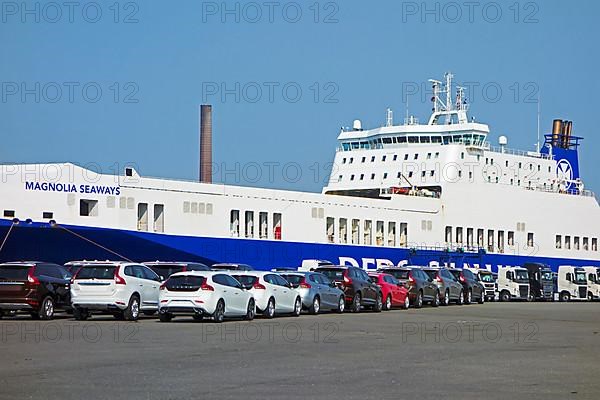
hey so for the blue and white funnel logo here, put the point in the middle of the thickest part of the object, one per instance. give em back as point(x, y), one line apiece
point(564, 172)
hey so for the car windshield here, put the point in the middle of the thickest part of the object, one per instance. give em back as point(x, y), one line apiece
point(398, 273)
point(486, 277)
point(431, 273)
point(96, 272)
point(456, 274)
point(293, 278)
point(13, 272)
point(547, 275)
point(185, 283)
point(521, 276)
point(166, 270)
point(580, 277)
point(246, 280)
point(333, 274)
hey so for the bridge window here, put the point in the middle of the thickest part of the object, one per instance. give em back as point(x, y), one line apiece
point(402, 139)
point(501, 241)
point(530, 241)
point(249, 225)
point(263, 225)
point(436, 139)
point(586, 244)
point(343, 230)
point(448, 235)
point(447, 139)
point(576, 243)
point(392, 234)
point(469, 237)
point(567, 242)
point(558, 242)
point(459, 235)
point(142, 217)
point(367, 232)
point(379, 233)
point(425, 139)
point(330, 229)
point(413, 139)
point(490, 241)
point(511, 238)
point(355, 231)
point(159, 218)
point(403, 234)
point(480, 238)
point(277, 224)
point(594, 244)
point(387, 140)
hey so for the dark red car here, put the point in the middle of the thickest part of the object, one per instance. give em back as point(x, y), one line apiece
point(394, 293)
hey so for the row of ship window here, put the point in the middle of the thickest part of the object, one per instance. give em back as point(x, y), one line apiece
point(394, 158)
point(577, 243)
point(476, 238)
point(366, 232)
point(377, 143)
point(269, 224)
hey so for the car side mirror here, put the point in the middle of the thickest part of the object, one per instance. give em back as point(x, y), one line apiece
point(161, 278)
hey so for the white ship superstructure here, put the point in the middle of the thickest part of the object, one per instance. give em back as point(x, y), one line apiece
point(432, 192)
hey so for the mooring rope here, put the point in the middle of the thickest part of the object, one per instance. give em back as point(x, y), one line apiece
point(6, 237)
point(93, 242)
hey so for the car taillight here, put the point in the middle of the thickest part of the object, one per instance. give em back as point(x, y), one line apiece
point(164, 285)
point(259, 286)
point(347, 279)
point(119, 280)
point(31, 278)
point(304, 284)
point(206, 286)
point(411, 279)
point(461, 278)
point(438, 279)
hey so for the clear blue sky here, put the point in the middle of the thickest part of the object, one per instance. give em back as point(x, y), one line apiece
point(175, 50)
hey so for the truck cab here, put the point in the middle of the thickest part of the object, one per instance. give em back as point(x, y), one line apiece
point(513, 283)
point(487, 279)
point(541, 281)
point(571, 283)
point(593, 279)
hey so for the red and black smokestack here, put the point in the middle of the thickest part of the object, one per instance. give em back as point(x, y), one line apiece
point(206, 143)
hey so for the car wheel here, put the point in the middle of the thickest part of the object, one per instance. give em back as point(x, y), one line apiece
point(251, 310)
point(356, 300)
point(46, 311)
point(461, 298)
point(469, 298)
point(270, 310)
point(80, 314)
point(297, 307)
point(341, 305)
point(198, 317)
point(406, 303)
point(219, 314)
point(419, 300)
point(378, 303)
point(446, 298)
point(565, 296)
point(505, 296)
point(316, 306)
point(388, 303)
point(165, 317)
point(132, 312)
point(482, 298)
point(436, 299)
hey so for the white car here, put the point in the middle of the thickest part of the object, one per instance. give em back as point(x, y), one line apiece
point(121, 288)
point(272, 293)
point(205, 293)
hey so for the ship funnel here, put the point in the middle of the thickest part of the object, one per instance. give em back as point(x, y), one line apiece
point(206, 143)
point(556, 131)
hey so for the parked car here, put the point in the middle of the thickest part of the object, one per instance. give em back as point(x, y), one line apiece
point(165, 269)
point(359, 289)
point(450, 290)
point(231, 267)
point(204, 294)
point(272, 293)
point(121, 288)
point(394, 293)
point(421, 288)
point(473, 290)
point(317, 291)
point(35, 287)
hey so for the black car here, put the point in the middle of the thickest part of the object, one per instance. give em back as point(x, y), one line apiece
point(165, 269)
point(359, 289)
point(231, 267)
point(472, 289)
point(421, 288)
point(450, 290)
point(35, 287)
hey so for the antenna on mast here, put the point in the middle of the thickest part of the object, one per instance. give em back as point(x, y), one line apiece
point(537, 145)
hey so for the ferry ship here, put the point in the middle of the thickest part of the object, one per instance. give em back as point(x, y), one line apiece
point(412, 193)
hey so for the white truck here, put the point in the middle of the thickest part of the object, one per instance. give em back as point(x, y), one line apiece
point(571, 283)
point(486, 278)
point(513, 283)
point(593, 280)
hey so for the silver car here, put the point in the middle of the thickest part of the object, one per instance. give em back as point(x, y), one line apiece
point(317, 291)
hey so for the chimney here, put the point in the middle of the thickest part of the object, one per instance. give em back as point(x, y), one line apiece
point(206, 143)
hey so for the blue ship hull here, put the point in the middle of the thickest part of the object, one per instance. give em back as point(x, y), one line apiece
point(59, 244)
